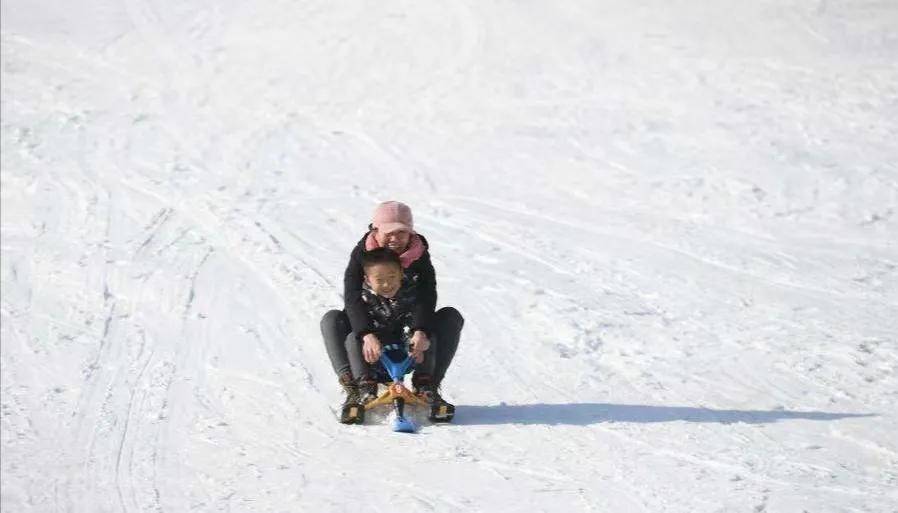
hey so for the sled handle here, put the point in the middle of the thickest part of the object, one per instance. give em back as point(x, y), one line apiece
point(397, 370)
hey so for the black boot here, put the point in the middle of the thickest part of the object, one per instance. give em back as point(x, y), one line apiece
point(440, 409)
point(351, 411)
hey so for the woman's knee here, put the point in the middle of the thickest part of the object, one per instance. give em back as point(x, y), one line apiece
point(332, 319)
point(450, 317)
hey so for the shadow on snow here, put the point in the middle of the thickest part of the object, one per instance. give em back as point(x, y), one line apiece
point(593, 413)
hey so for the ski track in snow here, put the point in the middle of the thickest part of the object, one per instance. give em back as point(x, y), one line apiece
point(670, 228)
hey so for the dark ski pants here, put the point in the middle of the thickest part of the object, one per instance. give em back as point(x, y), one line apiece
point(345, 350)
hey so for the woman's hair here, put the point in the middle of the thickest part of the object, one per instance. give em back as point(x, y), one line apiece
point(380, 256)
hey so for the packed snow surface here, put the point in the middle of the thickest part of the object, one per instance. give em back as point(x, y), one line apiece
point(671, 226)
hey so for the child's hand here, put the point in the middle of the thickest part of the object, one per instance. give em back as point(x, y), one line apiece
point(419, 343)
point(371, 348)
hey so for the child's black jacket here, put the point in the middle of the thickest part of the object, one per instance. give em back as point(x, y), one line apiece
point(414, 303)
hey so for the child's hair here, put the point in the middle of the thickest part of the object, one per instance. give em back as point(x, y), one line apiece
point(380, 256)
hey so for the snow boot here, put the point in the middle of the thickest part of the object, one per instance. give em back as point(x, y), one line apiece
point(440, 409)
point(351, 411)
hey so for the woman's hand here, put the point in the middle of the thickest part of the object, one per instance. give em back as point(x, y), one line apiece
point(419, 343)
point(371, 348)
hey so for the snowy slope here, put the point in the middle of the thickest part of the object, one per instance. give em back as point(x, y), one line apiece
point(672, 227)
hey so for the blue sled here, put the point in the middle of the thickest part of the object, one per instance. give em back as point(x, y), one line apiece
point(397, 393)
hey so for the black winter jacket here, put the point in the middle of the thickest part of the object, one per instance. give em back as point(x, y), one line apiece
point(391, 318)
point(419, 289)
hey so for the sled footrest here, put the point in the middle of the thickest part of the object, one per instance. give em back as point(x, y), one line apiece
point(395, 391)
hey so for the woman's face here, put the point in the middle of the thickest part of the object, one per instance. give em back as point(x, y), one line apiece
point(396, 240)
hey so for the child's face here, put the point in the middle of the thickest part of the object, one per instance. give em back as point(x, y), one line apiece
point(384, 279)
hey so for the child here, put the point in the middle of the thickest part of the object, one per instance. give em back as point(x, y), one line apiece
point(390, 303)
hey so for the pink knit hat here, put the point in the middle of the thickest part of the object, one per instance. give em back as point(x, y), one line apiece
point(391, 216)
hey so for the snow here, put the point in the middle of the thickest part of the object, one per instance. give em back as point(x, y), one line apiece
point(671, 228)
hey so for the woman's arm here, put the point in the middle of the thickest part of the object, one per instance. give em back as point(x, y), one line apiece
point(352, 295)
point(426, 300)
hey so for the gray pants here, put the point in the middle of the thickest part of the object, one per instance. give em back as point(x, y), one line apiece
point(345, 350)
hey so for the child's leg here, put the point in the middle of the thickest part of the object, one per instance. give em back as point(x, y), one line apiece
point(352, 347)
point(423, 374)
point(430, 359)
point(334, 329)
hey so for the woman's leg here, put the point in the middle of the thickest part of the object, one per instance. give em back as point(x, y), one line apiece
point(448, 323)
point(334, 329)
